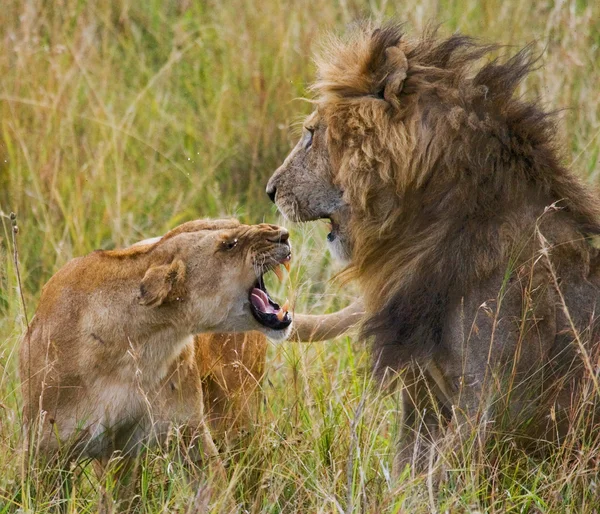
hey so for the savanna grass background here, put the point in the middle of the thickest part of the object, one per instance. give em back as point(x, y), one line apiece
point(120, 119)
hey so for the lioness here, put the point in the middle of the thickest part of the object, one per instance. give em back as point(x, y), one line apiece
point(113, 328)
point(447, 196)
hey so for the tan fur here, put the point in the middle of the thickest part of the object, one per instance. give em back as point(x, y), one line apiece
point(448, 198)
point(231, 365)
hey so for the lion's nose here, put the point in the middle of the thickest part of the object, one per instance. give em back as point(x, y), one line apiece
point(271, 191)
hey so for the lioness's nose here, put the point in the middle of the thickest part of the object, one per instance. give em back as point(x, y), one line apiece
point(282, 236)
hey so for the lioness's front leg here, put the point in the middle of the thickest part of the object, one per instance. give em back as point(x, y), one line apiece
point(181, 401)
point(232, 365)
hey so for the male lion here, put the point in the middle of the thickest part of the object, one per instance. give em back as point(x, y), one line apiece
point(468, 237)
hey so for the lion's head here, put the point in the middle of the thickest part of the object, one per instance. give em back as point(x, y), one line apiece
point(304, 187)
point(331, 171)
point(420, 156)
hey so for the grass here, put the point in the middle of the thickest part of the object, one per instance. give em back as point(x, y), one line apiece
point(120, 119)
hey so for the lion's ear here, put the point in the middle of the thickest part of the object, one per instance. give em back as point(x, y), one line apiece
point(398, 63)
point(162, 284)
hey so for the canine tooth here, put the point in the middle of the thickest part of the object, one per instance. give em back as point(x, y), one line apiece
point(280, 314)
point(278, 272)
point(286, 306)
point(287, 266)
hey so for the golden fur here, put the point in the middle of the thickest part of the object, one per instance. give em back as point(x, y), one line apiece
point(449, 156)
point(110, 362)
point(468, 236)
point(230, 366)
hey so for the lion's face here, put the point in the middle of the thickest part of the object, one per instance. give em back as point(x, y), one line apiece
point(216, 275)
point(303, 187)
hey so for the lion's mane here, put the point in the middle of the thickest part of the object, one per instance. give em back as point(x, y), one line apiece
point(444, 168)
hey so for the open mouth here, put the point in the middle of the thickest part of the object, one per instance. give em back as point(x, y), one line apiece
point(266, 311)
point(333, 230)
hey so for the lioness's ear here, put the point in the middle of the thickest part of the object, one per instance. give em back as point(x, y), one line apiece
point(397, 61)
point(162, 283)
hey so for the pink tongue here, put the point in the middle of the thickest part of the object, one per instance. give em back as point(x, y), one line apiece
point(260, 300)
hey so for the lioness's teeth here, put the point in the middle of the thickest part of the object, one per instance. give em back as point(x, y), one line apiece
point(278, 272)
point(286, 265)
point(283, 311)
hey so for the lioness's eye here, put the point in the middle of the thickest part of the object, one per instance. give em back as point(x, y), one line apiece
point(228, 245)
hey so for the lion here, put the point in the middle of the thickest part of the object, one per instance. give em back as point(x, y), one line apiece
point(471, 242)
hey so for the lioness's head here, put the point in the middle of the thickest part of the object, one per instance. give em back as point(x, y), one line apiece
point(213, 270)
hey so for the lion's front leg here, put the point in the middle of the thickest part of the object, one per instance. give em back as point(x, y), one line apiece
point(420, 423)
point(471, 418)
point(487, 368)
point(469, 406)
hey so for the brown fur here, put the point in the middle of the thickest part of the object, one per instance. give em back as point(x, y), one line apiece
point(449, 199)
point(452, 158)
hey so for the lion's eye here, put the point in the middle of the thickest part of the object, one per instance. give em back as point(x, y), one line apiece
point(308, 138)
point(229, 245)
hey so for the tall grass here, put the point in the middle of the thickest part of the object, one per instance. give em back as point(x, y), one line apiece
point(120, 119)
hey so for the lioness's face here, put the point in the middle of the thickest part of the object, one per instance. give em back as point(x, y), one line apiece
point(216, 276)
point(303, 187)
